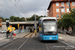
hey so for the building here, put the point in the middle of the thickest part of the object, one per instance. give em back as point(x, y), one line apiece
point(57, 7)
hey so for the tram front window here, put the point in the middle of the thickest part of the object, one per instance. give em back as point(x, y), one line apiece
point(50, 27)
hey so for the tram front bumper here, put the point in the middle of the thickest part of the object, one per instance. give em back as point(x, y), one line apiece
point(50, 37)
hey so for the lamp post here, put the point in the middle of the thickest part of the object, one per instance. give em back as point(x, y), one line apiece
point(35, 26)
point(69, 5)
point(61, 12)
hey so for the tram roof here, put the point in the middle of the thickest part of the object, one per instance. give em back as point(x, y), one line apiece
point(42, 18)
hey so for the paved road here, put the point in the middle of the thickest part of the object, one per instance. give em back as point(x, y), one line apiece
point(35, 44)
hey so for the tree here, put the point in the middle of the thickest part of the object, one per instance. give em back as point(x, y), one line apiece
point(12, 18)
point(2, 19)
point(32, 18)
point(22, 19)
point(68, 19)
point(16, 19)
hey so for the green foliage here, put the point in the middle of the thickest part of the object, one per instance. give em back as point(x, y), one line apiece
point(32, 18)
point(16, 19)
point(59, 24)
point(22, 19)
point(12, 18)
point(2, 19)
point(68, 19)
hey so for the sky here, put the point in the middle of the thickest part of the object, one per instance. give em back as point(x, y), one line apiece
point(23, 8)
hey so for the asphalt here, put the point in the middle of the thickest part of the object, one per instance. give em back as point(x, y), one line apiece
point(15, 45)
point(35, 44)
point(4, 40)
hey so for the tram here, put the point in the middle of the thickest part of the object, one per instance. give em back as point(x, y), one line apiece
point(48, 28)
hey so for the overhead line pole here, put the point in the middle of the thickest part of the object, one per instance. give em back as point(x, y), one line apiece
point(35, 26)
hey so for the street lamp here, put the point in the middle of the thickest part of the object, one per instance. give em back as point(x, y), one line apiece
point(60, 11)
point(35, 25)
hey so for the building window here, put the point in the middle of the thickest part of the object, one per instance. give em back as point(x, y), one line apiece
point(57, 10)
point(67, 9)
point(57, 4)
point(73, 3)
point(62, 3)
point(57, 16)
point(67, 3)
point(62, 10)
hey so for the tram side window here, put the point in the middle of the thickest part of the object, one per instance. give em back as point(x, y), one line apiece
point(40, 30)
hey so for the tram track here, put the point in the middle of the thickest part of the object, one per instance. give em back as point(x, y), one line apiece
point(25, 41)
point(25, 35)
point(22, 41)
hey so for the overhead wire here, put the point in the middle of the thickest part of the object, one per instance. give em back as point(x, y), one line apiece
point(17, 6)
point(46, 7)
point(20, 5)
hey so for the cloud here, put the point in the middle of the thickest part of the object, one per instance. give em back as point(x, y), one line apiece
point(23, 8)
point(31, 13)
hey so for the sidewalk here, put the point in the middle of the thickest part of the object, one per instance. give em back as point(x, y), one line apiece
point(67, 39)
point(4, 40)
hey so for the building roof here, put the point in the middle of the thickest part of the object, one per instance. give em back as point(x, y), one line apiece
point(54, 1)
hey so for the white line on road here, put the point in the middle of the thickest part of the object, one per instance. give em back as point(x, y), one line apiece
point(9, 44)
point(60, 38)
point(2, 38)
point(67, 44)
point(22, 44)
point(47, 47)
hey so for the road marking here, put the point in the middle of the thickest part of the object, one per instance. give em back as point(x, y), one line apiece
point(2, 38)
point(9, 44)
point(60, 38)
point(67, 44)
point(47, 47)
point(22, 44)
point(25, 41)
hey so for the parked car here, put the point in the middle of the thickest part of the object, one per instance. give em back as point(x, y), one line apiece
point(3, 31)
